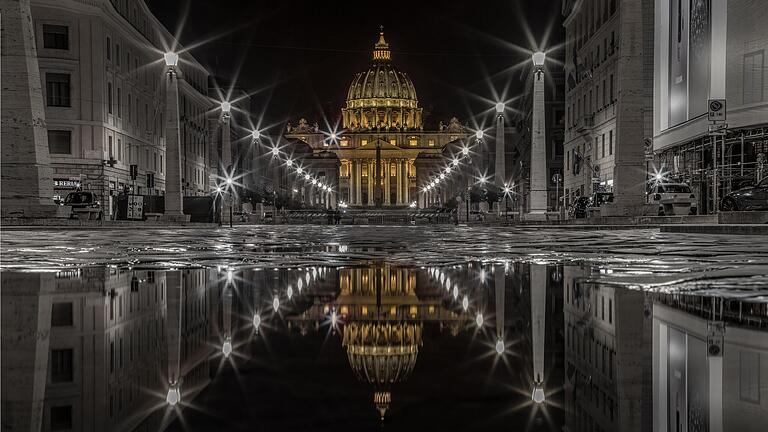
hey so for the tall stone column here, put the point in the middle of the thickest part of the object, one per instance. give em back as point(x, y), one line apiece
point(225, 164)
point(500, 166)
point(26, 174)
point(174, 200)
point(387, 182)
point(26, 323)
point(538, 147)
point(352, 182)
point(399, 182)
point(359, 182)
point(371, 181)
point(406, 182)
point(634, 87)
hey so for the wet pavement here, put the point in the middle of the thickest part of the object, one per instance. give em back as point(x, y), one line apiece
point(392, 328)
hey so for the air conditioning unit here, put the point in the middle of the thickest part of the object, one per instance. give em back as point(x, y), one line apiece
point(715, 336)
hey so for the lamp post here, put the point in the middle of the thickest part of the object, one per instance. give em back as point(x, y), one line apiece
point(538, 139)
point(538, 322)
point(500, 166)
point(229, 190)
point(507, 191)
point(174, 200)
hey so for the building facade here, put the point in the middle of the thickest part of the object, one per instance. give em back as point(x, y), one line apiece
point(607, 95)
point(104, 94)
point(383, 138)
point(711, 50)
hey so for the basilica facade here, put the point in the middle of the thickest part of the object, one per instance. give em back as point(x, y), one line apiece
point(383, 155)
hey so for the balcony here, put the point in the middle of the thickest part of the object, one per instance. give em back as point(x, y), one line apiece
point(586, 124)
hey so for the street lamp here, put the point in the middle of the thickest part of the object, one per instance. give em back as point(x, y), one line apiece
point(171, 60)
point(507, 191)
point(255, 135)
point(226, 107)
point(174, 200)
point(226, 348)
point(500, 167)
point(538, 176)
point(537, 395)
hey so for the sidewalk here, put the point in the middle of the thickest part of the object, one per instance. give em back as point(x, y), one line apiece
point(26, 223)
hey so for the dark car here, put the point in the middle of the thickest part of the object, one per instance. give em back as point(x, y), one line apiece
point(600, 198)
point(748, 198)
point(83, 202)
point(579, 208)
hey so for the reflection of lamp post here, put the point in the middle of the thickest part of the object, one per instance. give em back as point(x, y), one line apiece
point(500, 166)
point(173, 315)
point(500, 282)
point(229, 190)
point(174, 200)
point(538, 322)
point(538, 139)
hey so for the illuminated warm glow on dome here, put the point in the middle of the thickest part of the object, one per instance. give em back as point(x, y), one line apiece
point(382, 96)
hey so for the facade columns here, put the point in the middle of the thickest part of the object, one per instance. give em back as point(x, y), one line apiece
point(352, 182)
point(371, 180)
point(387, 181)
point(406, 182)
point(359, 182)
point(399, 182)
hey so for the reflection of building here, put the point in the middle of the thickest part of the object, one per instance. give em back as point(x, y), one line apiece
point(704, 378)
point(709, 49)
point(375, 161)
point(101, 69)
point(607, 362)
point(608, 92)
point(382, 313)
point(108, 347)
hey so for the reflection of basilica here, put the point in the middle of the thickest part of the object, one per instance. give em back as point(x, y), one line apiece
point(384, 152)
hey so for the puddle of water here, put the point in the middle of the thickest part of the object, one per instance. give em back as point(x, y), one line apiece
point(473, 346)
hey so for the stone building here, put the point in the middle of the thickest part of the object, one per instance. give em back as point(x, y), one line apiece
point(711, 50)
point(608, 99)
point(102, 73)
point(383, 138)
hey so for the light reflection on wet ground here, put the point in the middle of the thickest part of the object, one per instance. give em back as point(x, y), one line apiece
point(636, 258)
point(435, 347)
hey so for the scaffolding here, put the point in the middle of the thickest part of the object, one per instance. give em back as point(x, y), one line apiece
point(716, 165)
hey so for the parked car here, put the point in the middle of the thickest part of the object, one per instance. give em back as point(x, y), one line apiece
point(579, 208)
point(673, 199)
point(600, 198)
point(84, 203)
point(748, 198)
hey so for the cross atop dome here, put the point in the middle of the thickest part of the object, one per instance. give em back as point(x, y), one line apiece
point(381, 48)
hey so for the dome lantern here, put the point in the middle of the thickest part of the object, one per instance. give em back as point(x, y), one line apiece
point(382, 96)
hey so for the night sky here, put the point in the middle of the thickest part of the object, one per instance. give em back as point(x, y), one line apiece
point(300, 56)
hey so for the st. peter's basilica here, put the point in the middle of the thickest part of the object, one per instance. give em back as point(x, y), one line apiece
point(383, 154)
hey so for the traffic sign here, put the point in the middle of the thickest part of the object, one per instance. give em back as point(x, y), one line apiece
point(716, 110)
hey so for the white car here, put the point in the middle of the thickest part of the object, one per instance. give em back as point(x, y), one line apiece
point(673, 199)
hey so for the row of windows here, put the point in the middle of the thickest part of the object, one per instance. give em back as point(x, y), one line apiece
point(592, 15)
point(591, 102)
point(413, 142)
point(574, 158)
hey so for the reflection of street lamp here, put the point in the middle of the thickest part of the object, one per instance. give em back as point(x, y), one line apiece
point(174, 394)
point(226, 348)
point(229, 190)
point(479, 319)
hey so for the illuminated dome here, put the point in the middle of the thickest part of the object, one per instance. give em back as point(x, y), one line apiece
point(382, 96)
point(382, 353)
